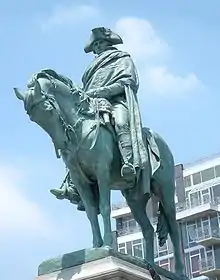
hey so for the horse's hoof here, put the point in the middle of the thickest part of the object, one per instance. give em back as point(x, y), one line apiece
point(108, 240)
point(98, 244)
point(107, 247)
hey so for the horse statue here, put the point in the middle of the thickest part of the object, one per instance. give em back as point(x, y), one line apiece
point(82, 135)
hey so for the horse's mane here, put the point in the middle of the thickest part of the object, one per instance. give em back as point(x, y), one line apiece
point(52, 74)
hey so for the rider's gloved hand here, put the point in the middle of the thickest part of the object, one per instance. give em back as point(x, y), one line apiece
point(92, 93)
point(106, 92)
point(98, 93)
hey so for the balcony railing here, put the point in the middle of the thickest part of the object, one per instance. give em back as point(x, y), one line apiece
point(119, 205)
point(128, 230)
point(209, 269)
point(207, 264)
point(186, 205)
point(208, 233)
point(179, 206)
point(202, 234)
point(208, 237)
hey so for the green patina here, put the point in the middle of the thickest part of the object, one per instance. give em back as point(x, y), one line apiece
point(78, 258)
point(98, 132)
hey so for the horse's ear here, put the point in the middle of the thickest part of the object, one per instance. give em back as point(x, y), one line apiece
point(18, 94)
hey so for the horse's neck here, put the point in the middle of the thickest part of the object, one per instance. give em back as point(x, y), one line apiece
point(68, 109)
point(79, 121)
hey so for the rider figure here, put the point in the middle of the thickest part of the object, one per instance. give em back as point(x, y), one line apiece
point(113, 75)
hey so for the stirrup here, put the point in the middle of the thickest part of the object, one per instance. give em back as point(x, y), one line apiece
point(127, 169)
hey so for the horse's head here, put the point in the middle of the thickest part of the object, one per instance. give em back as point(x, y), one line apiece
point(43, 109)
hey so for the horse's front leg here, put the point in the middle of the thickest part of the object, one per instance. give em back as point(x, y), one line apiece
point(103, 177)
point(91, 207)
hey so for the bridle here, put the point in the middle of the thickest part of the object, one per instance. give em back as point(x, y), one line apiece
point(69, 130)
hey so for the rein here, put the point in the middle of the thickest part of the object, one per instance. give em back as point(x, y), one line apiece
point(67, 127)
point(69, 130)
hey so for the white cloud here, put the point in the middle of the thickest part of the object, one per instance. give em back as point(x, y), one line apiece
point(140, 38)
point(69, 15)
point(151, 54)
point(17, 211)
point(160, 80)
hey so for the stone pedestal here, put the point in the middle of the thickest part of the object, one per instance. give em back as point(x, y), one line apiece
point(100, 264)
point(108, 268)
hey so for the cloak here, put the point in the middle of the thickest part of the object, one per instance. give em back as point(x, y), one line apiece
point(114, 68)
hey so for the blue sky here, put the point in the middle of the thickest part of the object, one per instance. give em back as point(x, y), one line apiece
point(175, 45)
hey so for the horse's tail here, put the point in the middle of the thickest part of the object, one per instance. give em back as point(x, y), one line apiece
point(162, 226)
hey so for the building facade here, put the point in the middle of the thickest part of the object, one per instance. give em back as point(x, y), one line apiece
point(198, 214)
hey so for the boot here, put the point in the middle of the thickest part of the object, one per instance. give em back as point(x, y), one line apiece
point(59, 193)
point(69, 193)
point(125, 147)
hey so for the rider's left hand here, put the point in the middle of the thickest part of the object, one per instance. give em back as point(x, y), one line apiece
point(92, 93)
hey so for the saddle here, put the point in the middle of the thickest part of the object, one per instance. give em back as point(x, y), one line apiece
point(101, 108)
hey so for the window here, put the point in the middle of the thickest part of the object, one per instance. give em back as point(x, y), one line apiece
point(165, 264)
point(195, 199)
point(207, 258)
point(201, 259)
point(129, 248)
point(197, 179)
point(124, 227)
point(119, 223)
point(192, 233)
point(208, 174)
point(170, 245)
point(127, 225)
point(138, 248)
point(195, 259)
point(132, 225)
point(218, 219)
point(166, 249)
point(210, 258)
point(187, 199)
point(206, 228)
point(187, 181)
point(163, 251)
point(206, 197)
point(216, 191)
point(156, 254)
point(121, 248)
point(134, 248)
point(198, 229)
point(217, 171)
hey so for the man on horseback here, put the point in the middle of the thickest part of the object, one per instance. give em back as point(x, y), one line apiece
point(112, 75)
point(54, 103)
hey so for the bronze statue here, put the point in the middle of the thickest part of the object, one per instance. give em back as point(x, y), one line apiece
point(97, 131)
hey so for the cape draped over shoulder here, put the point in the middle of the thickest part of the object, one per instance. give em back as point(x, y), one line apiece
point(115, 66)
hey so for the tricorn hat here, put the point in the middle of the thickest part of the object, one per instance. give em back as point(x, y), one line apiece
point(102, 33)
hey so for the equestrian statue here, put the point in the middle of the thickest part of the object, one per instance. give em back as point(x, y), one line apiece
point(97, 130)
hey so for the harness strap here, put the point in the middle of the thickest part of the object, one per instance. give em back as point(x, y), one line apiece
point(97, 125)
